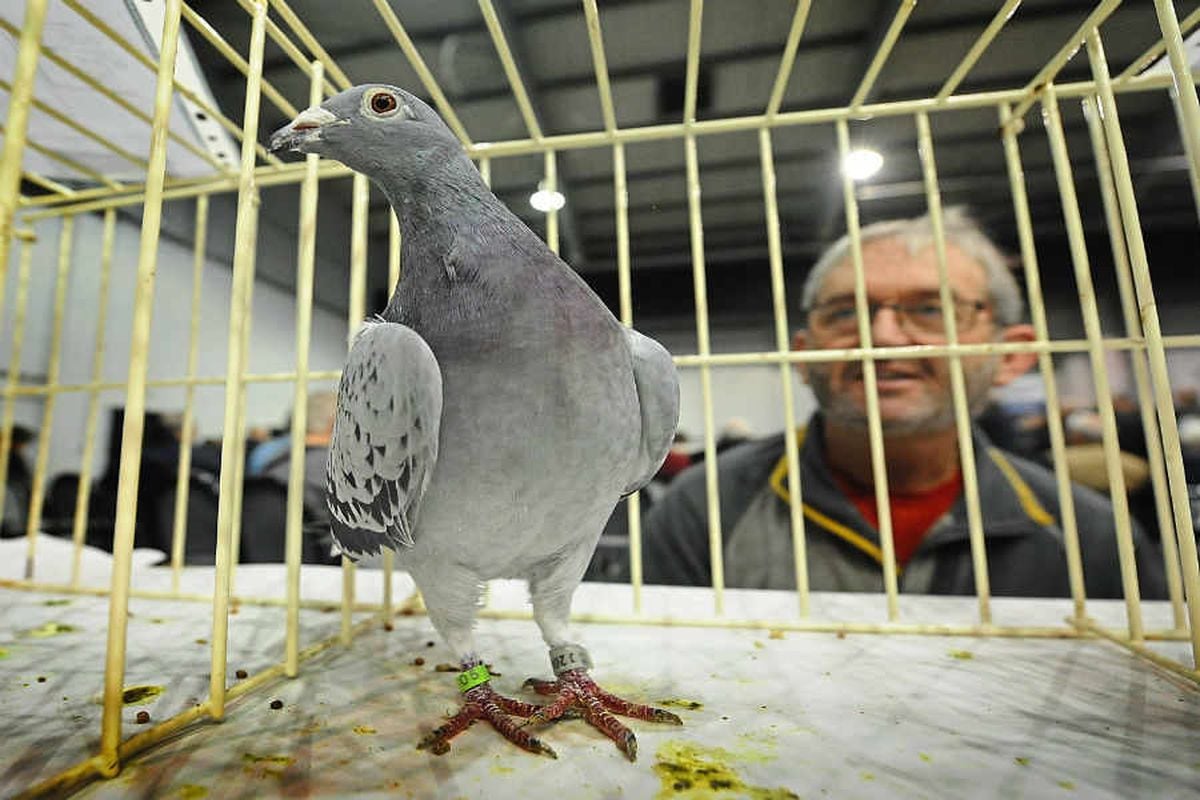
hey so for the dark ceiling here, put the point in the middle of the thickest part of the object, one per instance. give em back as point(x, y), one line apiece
point(741, 47)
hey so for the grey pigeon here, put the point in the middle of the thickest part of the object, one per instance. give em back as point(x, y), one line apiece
point(489, 421)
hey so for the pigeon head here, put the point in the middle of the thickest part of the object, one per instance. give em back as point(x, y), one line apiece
point(371, 129)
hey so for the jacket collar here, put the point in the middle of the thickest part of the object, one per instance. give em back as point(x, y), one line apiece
point(1012, 507)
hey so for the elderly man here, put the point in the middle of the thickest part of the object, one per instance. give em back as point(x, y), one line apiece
point(1019, 502)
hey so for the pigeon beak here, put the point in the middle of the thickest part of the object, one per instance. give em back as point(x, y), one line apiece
point(304, 129)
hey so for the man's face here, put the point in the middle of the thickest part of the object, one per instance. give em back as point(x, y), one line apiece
point(914, 394)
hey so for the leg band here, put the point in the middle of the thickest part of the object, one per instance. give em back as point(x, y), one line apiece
point(568, 657)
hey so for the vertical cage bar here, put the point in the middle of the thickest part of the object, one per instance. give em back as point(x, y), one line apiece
point(1095, 337)
point(799, 20)
point(550, 167)
point(239, 480)
point(782, 343)
point(305, 261)
point(16, 124)
point(1133, 329)
point(1168, 426)
point(958, 385)
point(700, 289)
point(1037, 313)
point(360, 207)
point(243, 264)
point(874, 423)
point(135, 401)
point(1186, 103)
point(692, 77)
point(82, 492)
point(66, 241)
point(183, 479)
point(20, 304)
point(485, 171)
point(625, 303)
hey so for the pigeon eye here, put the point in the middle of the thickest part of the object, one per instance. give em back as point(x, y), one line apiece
point(383, 103)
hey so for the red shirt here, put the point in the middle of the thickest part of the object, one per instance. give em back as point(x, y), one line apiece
point(912, 514)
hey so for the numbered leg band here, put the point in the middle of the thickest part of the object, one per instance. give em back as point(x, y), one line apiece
point(468, 679)
point(568, 657)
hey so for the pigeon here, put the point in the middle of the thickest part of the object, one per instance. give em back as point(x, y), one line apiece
point(490, 419)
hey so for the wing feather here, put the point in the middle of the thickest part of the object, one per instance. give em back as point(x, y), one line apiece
point(657, 386)
point(385, 438)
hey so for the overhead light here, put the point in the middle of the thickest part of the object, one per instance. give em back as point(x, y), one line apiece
point(545, 200)
point(861, 164)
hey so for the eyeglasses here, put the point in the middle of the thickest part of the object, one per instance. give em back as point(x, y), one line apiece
point(921, 317)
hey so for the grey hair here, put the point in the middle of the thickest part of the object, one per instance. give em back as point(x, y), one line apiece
point(319, 410)
point(961, 230)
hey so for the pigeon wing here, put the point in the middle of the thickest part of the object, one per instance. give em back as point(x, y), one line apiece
point(657, 386)
point(385, 438)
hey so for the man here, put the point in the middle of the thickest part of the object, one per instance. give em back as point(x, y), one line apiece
point(1019, 502)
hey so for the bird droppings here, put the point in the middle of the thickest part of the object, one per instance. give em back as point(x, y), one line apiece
point(758, 645)
point(364, 730)
point(389, 627)
point(139, 695)
point(841, 634)
point(262, 766)
point(3, 652)
point(190, 791)
point(48, 630)
point(142, 717)
point(430, 643)
point(1022, 760)
point(201, 641)
point(240, 674)
point(691, 771)
point(60, 601)
point(41, 678)
point(961, 655)
point(276, 704)
point(158, 620)
point(1068, 785)
point(675, 702)
point(867, 776)
point(447, 668)
point(775, 633)
point(418, 662)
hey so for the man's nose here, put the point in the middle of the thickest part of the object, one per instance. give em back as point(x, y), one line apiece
point(886, 328)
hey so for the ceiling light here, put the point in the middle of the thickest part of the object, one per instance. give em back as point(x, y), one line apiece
point(546, 201)
point(861, 164)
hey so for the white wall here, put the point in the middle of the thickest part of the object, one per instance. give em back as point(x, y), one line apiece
point(272, 346)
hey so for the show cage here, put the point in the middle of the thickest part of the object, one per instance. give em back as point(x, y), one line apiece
point(114, 669)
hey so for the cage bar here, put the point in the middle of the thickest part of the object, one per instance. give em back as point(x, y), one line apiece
point(867, 353)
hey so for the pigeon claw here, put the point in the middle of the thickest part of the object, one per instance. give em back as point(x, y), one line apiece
point(576, 693)
point(483, 703)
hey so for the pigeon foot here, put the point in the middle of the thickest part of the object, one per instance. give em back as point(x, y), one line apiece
point(575, 691)
point(481, 702)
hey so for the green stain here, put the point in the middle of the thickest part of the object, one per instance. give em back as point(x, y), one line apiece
point(191, 791)
point(61, 601)
point(48, 630)
point(925, 757)
point(688, 770)
point(1068, 785)
point(675, 702)
point(139, 695)
point(1022, 760)
point(961, 655)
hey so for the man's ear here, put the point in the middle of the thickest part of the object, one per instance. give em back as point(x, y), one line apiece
point(800, 342)
point(1013, 365)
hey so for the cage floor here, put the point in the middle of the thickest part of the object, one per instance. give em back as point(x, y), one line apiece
point(767, 713)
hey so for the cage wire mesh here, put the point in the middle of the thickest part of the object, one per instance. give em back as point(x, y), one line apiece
point(58, 214)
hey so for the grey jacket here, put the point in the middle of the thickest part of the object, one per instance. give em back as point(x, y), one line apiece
point(1026, 552)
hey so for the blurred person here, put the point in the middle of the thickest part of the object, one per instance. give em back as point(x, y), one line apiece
point(321, 408)
point(1018, 498)
point(19, 485)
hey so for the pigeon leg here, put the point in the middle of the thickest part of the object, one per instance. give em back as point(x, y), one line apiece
point(480, 701)
point(450, 597)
